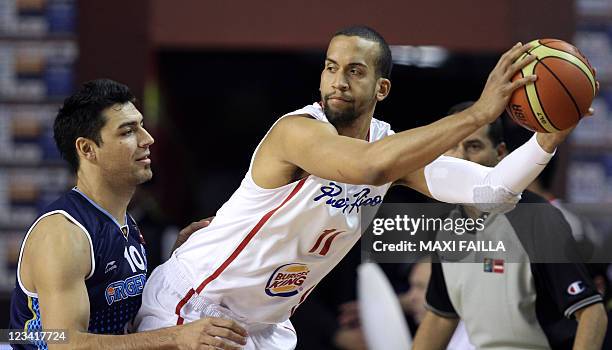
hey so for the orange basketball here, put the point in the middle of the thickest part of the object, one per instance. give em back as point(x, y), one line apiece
point(563, 92)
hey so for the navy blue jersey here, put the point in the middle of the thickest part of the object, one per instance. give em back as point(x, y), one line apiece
point(118, 276)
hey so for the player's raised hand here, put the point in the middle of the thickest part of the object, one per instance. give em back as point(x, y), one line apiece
point(499, 87)
point(211, 333)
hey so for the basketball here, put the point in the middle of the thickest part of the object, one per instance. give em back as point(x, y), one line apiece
point(563, 92)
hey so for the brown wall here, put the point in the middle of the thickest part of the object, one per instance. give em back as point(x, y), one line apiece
point(114, 42)
point(471, 25)
point(118, 39)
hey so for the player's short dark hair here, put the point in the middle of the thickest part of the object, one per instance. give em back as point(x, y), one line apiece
point(81, 115)
point(384, 62)
point(496, 128)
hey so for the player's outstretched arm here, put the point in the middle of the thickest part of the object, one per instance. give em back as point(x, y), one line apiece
point(592, 325)
point(57, 260)
point(317, 148)
point(454, 180)
point(434, 332)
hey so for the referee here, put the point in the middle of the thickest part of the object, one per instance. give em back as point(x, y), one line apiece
point(512, 305)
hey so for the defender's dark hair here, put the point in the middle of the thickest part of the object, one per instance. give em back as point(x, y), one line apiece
point(81, 115)
point(496, 128)
point(384, 62)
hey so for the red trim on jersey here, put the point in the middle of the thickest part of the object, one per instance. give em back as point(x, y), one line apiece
point(329, 242)
point(180, 305)
point(318, 242)
point(237, 251)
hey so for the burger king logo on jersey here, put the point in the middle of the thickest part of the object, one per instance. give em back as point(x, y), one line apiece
point(287, 280)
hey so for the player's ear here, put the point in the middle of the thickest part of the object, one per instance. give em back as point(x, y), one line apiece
point(85, 148)
point(383, 86)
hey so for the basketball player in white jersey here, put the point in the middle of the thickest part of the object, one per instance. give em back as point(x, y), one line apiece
point(298, 210)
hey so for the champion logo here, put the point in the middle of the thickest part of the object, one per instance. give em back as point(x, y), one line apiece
point(575, 288)
point(328, 236)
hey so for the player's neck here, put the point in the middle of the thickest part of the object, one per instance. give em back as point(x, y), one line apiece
point(358, 129)
point(110, 197)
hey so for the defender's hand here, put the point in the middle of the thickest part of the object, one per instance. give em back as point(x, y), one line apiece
point(211, 333)
point(185, 233)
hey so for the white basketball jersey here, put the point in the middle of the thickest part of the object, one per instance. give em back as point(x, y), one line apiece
point(268, 248)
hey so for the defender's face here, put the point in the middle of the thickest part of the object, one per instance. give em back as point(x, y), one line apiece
point(123, 155)
point(348, 81)
point(478, 148)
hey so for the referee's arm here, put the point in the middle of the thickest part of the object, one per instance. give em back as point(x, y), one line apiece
point(584, 303)
point(592, 325)
point(441, 320)
point(435, 332)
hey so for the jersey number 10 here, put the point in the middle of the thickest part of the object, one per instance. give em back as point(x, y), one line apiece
point(134, 259)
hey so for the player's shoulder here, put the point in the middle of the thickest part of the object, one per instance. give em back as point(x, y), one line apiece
point(56, 233)
point(55, 250)
point(302, 125)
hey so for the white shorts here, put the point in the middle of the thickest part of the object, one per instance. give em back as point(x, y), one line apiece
point(167, 286)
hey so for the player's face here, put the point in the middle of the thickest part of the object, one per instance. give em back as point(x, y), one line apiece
point(349, 83)
point(479, 148)
point(123, 155)
point(419, 279)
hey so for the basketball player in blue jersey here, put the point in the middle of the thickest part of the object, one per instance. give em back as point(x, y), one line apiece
point(82, 265)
